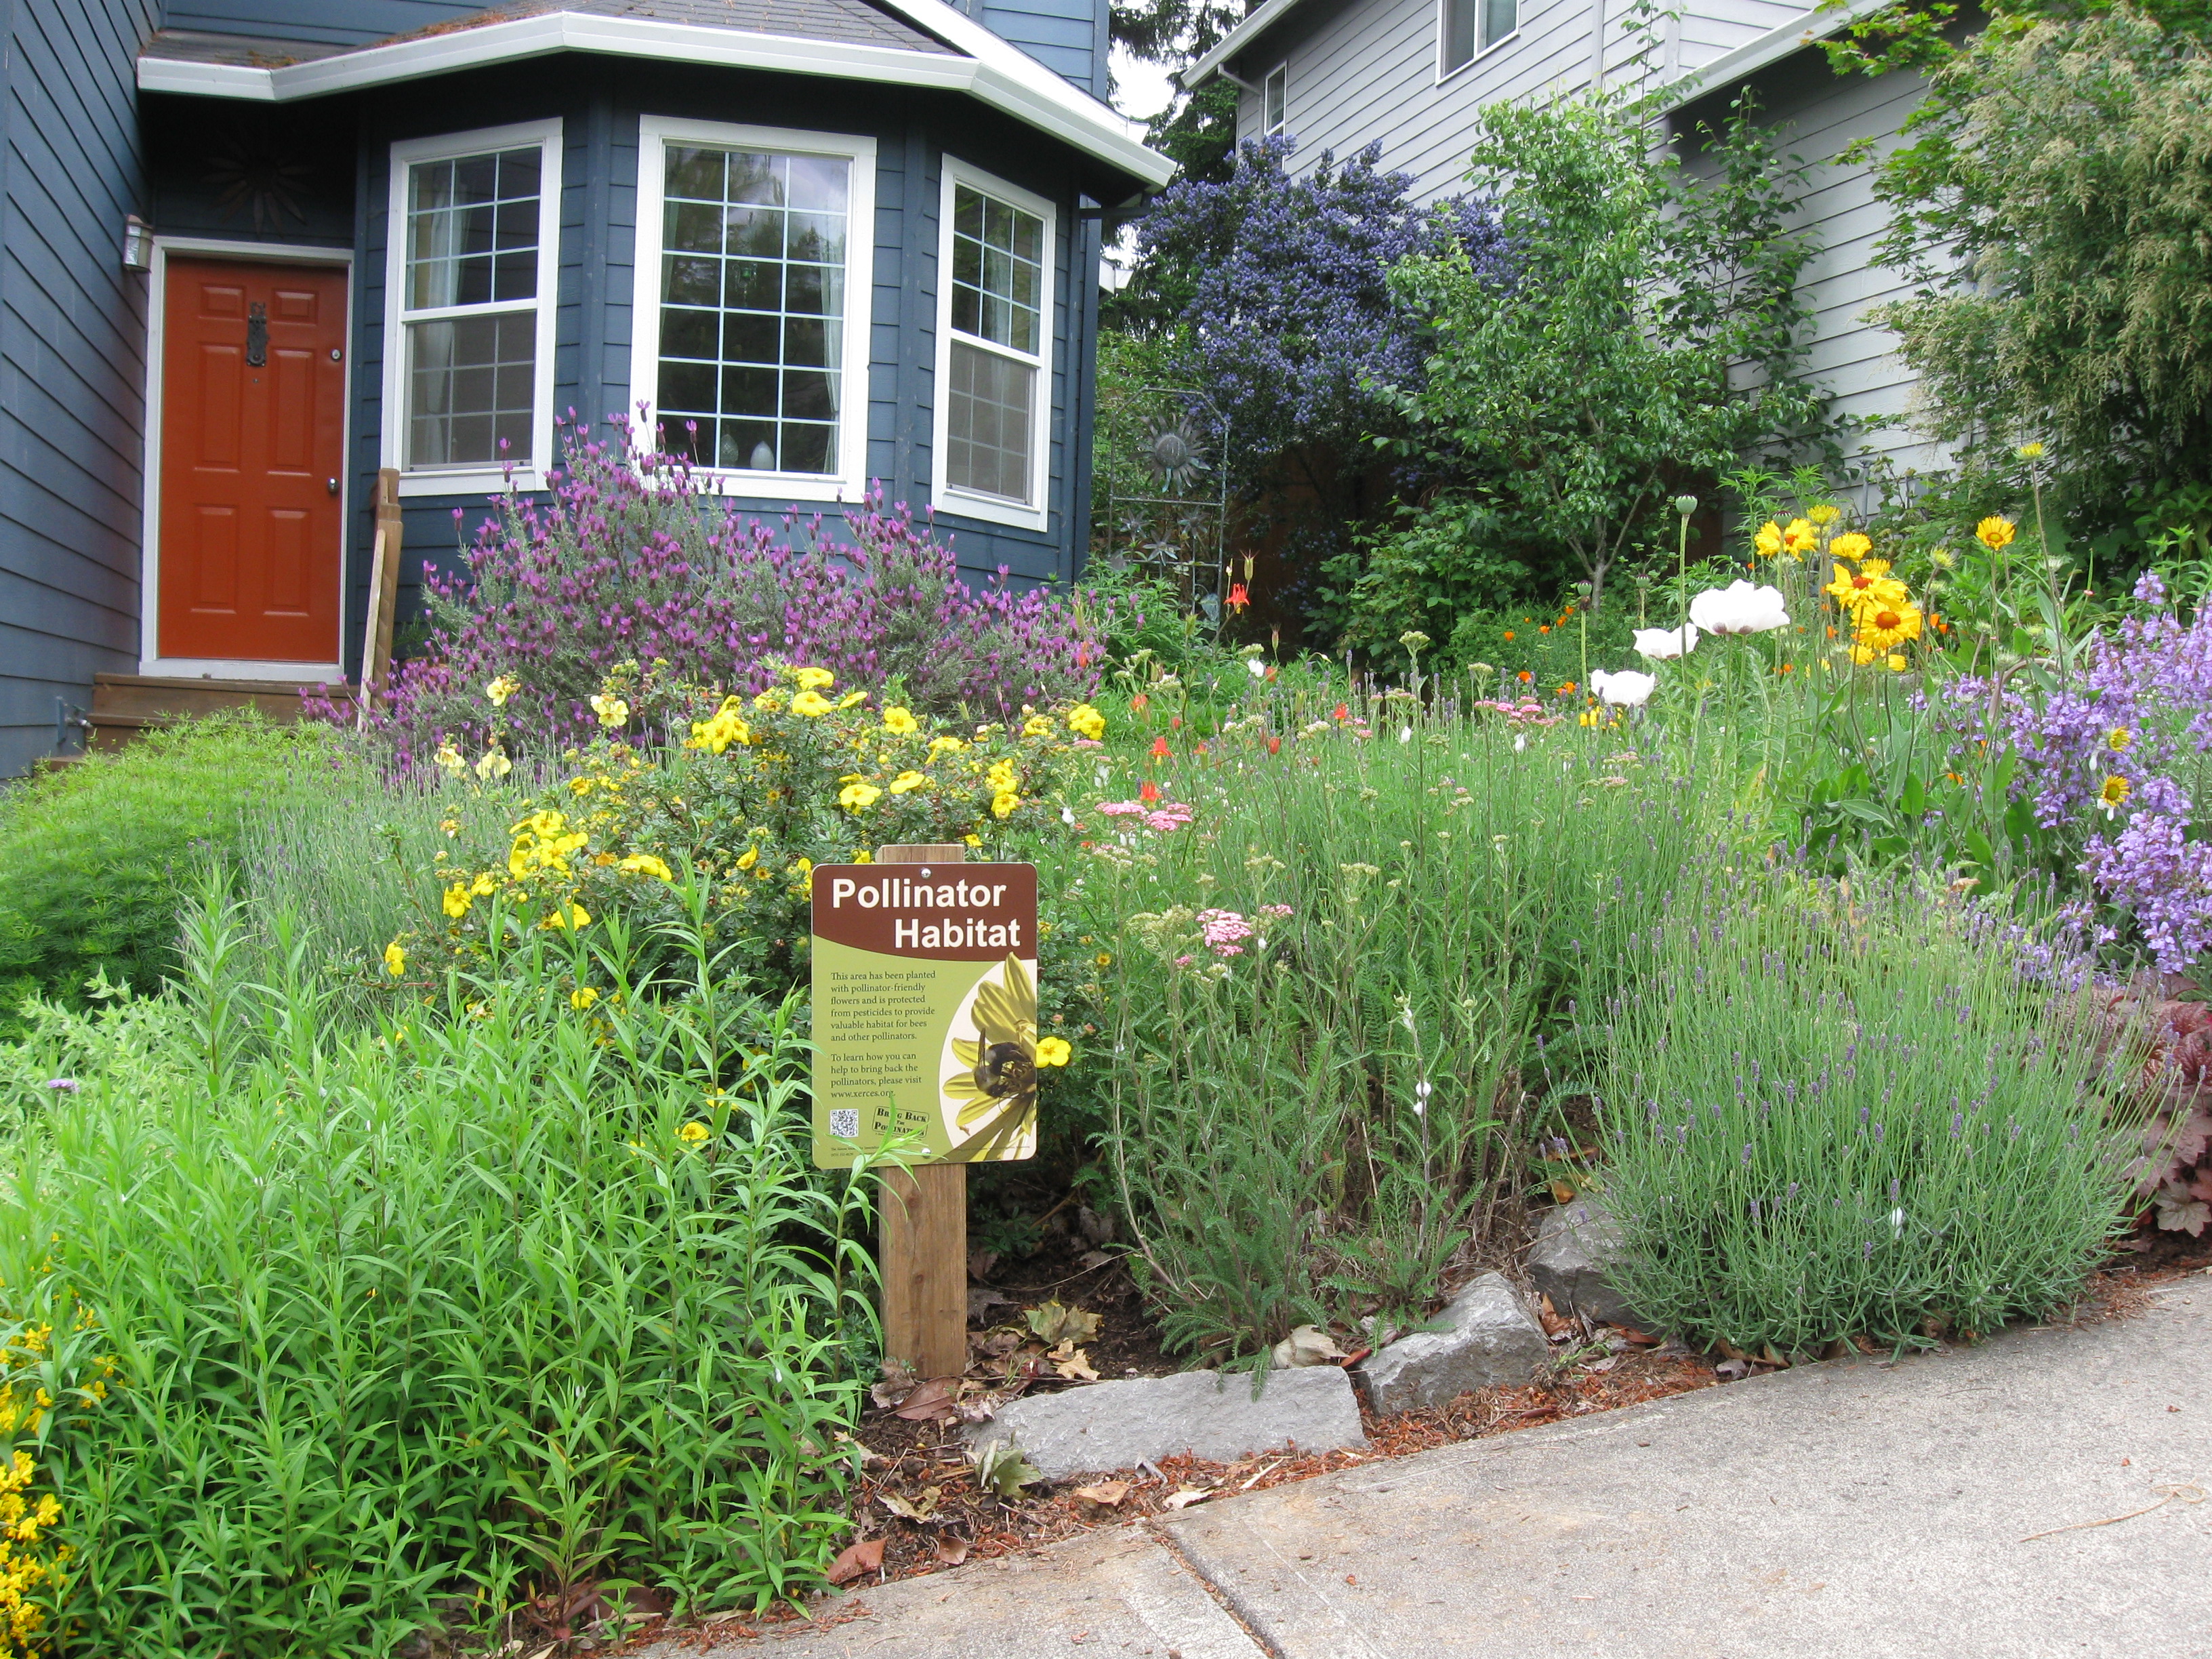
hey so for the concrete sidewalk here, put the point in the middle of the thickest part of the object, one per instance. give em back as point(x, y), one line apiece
point(1853, 1508)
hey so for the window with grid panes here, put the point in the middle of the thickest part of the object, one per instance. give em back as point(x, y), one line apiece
point(997, 353)
point(752, 308)
point(469, 308)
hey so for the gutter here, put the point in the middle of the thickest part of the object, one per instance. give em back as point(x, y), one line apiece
point(1745, 61)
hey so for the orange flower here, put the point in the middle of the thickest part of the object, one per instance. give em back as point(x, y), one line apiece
point(1524, 676)
point(1140, 702)
point(1238, 598)
point(1159, 748)
point(1149, 793)
point(1508, 633)
point(1546, 629)
point(1274, 746)
point(1343, 713)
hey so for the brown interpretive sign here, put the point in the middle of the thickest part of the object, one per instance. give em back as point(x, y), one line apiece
point(924, 1011)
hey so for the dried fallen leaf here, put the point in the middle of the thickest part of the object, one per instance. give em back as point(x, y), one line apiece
point(1004, 1469)
point(1108, 1492)
point(1051, 1321)
point(906, 1510)
point(1091, 1260)
point(865, 1556)
point(950, 1550)
point(1307, 1345)
point(1186, 1497)
point(1075, 1365)
point(898, 1383)
point(1637, 1337)
point(982, 1298)
point(981, 1262)
point(930, 1403)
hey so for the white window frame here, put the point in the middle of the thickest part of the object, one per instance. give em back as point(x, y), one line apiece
point(469, 480)
point(1278, 75)
point(654, 134)
point(971, 503)
point(1482, 48)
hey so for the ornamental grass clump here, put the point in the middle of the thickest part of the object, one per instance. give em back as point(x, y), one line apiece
point(1838, 1111)
point(488, 1304)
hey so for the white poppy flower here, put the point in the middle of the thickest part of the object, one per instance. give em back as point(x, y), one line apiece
point(1739, 608)
point(1626, 690)
point(1665, 644)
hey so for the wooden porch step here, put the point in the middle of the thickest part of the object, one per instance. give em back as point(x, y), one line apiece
point(123, 705)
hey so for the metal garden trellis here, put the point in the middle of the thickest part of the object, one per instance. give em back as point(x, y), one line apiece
point(1164, 445)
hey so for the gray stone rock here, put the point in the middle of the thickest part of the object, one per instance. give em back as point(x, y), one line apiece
point(1577, 1243)
point(1489, 1339)
point(1119, 1425)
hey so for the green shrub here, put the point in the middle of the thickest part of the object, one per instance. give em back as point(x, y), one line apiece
point(1306, 1115)
point(502, 1299)
point(96, 853)
point(1834, 1111)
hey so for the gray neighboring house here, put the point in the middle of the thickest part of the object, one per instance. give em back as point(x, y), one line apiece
point(1410, 75)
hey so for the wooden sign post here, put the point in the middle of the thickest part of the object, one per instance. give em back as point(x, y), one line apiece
point(925, 1027)
point(383, 593)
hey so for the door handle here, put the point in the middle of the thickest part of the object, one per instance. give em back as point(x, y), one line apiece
point(333, 486)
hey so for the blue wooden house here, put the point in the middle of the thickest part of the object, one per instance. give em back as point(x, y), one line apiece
point(255, 253)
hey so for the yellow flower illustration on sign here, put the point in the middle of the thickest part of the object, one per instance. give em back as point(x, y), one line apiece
point(994, 1100)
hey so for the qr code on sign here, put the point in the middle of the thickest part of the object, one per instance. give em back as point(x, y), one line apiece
point(845, 1122)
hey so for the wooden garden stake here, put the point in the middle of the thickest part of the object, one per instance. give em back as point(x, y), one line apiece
point(924, 1237)
point(383, 593)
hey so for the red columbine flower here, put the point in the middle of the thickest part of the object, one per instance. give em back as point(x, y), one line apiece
point(1343, 713)
point(1150, 793)
point(1140, 702)
point(1159, 748)
point(1238, 598)
point(1274, 746)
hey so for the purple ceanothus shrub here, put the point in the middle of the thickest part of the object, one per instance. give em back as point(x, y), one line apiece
point(1290, 314)
point(2122, 748)
point(629, 558)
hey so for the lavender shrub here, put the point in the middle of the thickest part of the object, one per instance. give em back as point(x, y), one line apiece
point(628, 558)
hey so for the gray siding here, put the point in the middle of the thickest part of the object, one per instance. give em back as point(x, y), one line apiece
point(72, 329)
point(332, 23)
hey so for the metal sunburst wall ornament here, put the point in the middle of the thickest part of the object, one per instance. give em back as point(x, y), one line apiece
point(251, 170)
point(1178, 455)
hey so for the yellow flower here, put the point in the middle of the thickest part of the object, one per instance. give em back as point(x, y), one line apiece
point(852, 699)
point(749, 858)
point(395, 959)
point(1052, 1051)
point(972, 839)
point(1800, 538)
point(1995, 533)
point(611, 710)
point(811, 703)
point(570, 916)
point(901, 720)
point(855, 796)
point(501, 689)
point(1104, 960)
point(693, 1131)
point(1768, 541)
point(1004, 802)
point(1036, 725)
point(1086, 721)
point(485, 885)
point(906, 780)
point(645, 864)
point(1855, 590)
point(451, 826)
point(1885, 627)
point(2115, 791)
point(770, 700)
point(582, 998)
point(1824, 515)
point(1896, 660)
point(814, 679)
point(1851, 546)
point(495, 764)
point(457, 901)
point(945, 747)
point(2030, 451)
point(2118, 738)
point(450, 759)
point(1002, 776)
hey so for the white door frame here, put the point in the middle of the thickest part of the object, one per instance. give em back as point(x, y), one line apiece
point(150, 659)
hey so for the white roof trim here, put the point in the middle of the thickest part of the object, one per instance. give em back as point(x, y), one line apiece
point(1771, 47)
point(1230, 44)
point(995, 72)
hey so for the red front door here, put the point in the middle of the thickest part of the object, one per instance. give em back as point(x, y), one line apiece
point(252, 442)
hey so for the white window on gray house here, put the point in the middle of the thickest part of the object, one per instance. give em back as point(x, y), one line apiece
point(1472, 26)
point(1274, 99)
point(752, 318)
point(471, 290)
point(995, 335)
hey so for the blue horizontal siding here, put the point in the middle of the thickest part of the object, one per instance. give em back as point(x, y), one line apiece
point(72, 329)
point(1065, 36)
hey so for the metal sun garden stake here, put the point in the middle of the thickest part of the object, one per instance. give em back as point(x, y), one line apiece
point(925, 975)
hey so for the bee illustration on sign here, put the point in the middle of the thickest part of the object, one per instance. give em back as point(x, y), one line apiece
point(990, 1095)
